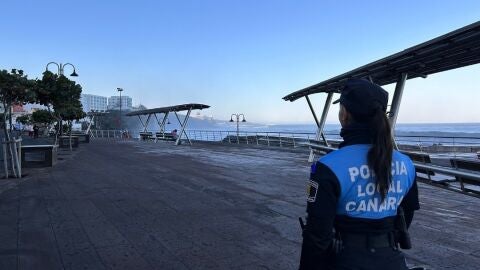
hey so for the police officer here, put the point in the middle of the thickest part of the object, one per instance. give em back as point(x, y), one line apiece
point(355, 191)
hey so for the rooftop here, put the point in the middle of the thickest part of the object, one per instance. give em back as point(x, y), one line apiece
point(134, 205)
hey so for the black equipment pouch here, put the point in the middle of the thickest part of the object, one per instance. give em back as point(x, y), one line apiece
point(402, 237)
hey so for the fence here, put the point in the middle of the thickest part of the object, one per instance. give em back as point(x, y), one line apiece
point(280, 139)
point(450, 147)
point(110, 134)
point(429, 144)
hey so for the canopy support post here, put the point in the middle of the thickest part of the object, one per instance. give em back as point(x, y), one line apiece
point(90, 125)
point(321, 123)
point(162, 126)
point(185, 121)
point(146, 122)
point(141, 122)
point(395, 106)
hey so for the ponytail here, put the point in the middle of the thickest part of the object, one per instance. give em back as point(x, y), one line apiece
point(380, 154)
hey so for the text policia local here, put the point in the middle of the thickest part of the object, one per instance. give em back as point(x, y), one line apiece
point(374, 204)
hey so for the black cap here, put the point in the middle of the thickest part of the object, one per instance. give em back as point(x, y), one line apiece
point(363, 98)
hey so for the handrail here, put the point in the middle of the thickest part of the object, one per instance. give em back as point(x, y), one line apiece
point(307, 139)
point(419, 140)
point(435, 168)
point(449, 171)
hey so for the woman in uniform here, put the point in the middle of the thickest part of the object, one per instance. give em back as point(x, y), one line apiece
point(355, 191)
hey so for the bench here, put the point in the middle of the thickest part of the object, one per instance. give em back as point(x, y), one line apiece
point(82, 137)
point(468, 165)
point(425, 174)
point(37, 156)
point(164, 136)
point(421, 158)
point(144, 136)
point(64, 141)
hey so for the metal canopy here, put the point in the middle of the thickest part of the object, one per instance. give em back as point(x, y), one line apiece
point(166, 111)
point(456, 49)
point(176, 108)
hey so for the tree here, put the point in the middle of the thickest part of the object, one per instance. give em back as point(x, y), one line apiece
point(24, 119)
point(62, 95)
point(15, 88)
point(42, 117)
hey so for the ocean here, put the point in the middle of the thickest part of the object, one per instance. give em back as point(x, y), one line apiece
point(428, 129)
point(424, 134)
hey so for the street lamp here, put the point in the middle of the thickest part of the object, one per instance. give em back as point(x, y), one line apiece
point(61, 68)
point(237, 120)
point(120, 91)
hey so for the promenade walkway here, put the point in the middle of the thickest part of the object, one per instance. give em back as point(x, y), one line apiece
point(133, 205)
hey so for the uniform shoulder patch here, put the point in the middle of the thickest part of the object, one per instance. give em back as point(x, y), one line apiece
point(312, 188)
point(313, 168)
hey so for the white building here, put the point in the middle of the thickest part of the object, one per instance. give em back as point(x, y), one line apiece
point(93, 103)
point(114, 103)
point(31, 107)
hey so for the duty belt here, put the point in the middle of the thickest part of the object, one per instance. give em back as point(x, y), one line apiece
point(368, 240)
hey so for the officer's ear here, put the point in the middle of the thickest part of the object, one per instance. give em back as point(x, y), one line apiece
point(344, 116)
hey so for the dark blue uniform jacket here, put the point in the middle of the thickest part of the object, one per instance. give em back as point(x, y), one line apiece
point(341, 195)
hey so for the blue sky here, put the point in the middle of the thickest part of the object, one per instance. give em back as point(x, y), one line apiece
point(238, 56)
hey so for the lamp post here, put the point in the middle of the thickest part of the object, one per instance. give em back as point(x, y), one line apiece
point(61, 68)
point(120, 91)
point(237, 117)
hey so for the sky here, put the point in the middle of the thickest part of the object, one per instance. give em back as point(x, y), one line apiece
point(238, 56)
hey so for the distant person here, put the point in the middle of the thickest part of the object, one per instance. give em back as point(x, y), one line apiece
point(30, 131)
point(174, 134)
point(354, 193)
point(35, 131)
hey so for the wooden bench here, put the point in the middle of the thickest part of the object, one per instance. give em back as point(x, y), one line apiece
point(37, 156)
point(164, 136)
point(64, 141)
point(145, 136)
point(468, 165)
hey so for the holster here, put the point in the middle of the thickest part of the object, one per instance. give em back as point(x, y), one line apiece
point(402, 237)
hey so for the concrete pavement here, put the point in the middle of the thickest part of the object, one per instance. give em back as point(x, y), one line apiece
point(134, 205)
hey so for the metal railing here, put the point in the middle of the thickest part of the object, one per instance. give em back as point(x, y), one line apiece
point(110, 134)
point(428, 144)
point(450, 147)
point(281, 139)
point(435, 146)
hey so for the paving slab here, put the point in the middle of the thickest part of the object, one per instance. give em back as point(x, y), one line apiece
point(141, 205)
